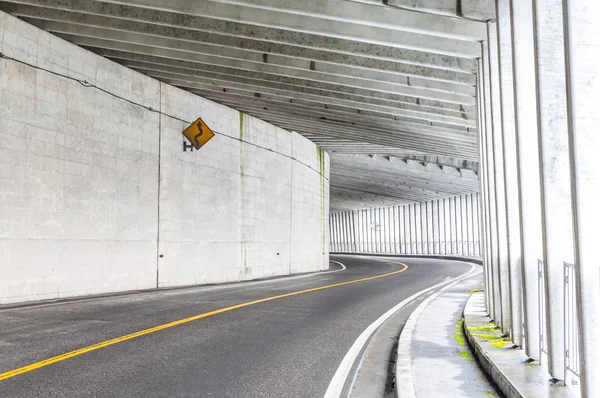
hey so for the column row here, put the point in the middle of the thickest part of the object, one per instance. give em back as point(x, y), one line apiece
point(441, 226)
point(538, 87)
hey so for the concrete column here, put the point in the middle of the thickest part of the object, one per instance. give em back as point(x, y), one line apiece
point(483, 202)
point(406, 225)
point(336, 236)
point(491, 182)
point(373, 226)
point(368, 229)
point(367, 248)
point(423, 223)
point(381, 215)
point(445, 224)
point(476, 221)
point(435, 211)
point(401, 232)
point(347, 231)
point(358, 231)
point(449, 226)
point(354, 232)
point(465, 215)
point(393, 225)
point(417, 220)
point(367, 232)
point(331, 234)
point(389, 229)
point(409, 235)
point(556, 183)
point(528, 147)
point(342, 232)
point(583, 46)
point(383, 229)
point(499, 183)
point(511, 172)
point(429, 227)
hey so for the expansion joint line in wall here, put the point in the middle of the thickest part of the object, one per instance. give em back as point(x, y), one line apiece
point(85, 83)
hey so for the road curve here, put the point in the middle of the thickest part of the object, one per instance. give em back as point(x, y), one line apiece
point(288, 346)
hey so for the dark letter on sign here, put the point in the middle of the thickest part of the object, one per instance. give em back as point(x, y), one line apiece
point(186, 146)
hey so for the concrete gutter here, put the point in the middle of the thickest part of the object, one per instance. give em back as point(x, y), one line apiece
point(506, 364)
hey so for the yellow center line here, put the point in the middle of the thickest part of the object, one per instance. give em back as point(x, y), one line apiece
point(80, 351)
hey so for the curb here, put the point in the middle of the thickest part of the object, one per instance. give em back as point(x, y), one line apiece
point(508, 368)
point(474, 317)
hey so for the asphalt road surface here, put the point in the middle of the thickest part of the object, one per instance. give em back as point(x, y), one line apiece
point(288, 346)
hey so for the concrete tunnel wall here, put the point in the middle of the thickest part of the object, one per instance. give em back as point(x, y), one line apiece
point(94, 189)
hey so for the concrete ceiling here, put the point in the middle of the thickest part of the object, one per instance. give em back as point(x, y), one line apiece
point(387, 89)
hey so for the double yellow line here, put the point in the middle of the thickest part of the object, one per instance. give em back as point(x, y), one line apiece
point(80, 351)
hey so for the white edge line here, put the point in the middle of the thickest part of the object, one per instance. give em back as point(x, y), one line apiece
point(337, 270)
point(336, 385)
point(403, 372)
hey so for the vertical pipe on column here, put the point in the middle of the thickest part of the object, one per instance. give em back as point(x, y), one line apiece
point(582, 34)
point(528, 160)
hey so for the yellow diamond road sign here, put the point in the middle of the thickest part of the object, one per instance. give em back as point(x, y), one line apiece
point(198, 133)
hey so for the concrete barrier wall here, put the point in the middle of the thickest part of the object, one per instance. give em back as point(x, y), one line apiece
point(97, 195)
point(448, 226)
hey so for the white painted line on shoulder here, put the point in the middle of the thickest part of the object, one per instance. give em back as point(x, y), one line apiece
point(336, 385)
point(404, 377)
point(337, 270)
